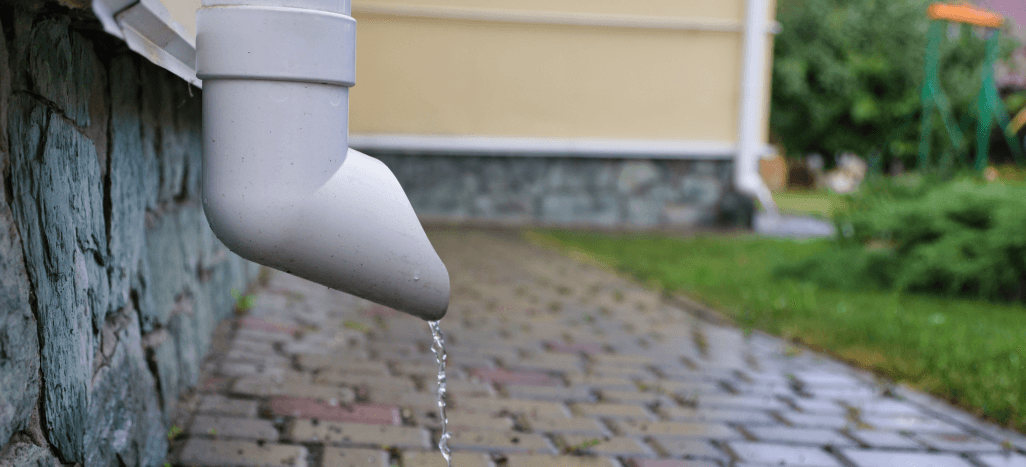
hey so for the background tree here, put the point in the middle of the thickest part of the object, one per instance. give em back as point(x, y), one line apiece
point(847, 76)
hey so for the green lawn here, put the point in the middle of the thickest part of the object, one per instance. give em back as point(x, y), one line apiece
point(971, 353)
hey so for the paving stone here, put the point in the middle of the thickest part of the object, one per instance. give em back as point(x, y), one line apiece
point(909, 423)
point(612, 410)
point(219, 426)
point(415, 400)
point(747, 417)
point(301, 407)
point(217, 453)
point(519, 406)
point(607, 445)
point(634, 397)
point(354, 457)
point(520, 460)
point(370, 383)
point(604, 382)
point(218, 404)
point(779, 454)
point(500, 442)
point(741, 402)
point(498, 375)
point(959, 442)
point(609, 371)
point(844, 393)
point(884, 439)
point(1002, 460)
point(550, 393)
point(460, 421)
point(548, 362)
point(464, 388)
point(358, 434)
point(819, 406)
point(884, 407)
point(622, 360)
point(813, 436)
point(265, 388)
point(266, 325)
point(574, 425)
point(576, 348)
point(689, 448)
point(681, 387)
point(669, 463)
point(331, 363)
point(817, 420)
point(434, 459)
point(677, 429)
point(868, 458)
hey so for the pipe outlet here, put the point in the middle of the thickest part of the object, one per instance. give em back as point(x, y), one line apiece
point(280, 186)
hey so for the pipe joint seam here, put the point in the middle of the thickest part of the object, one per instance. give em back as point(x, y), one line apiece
point(275, 43)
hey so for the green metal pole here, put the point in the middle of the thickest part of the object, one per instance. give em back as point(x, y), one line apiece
point(930, 81)
point(984, 106)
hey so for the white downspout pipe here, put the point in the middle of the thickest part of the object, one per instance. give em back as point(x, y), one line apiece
point(750, 148)
point(280, 186)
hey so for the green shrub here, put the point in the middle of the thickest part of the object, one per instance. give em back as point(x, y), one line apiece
point(956, 238)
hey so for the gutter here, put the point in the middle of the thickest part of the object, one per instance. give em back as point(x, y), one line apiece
point(280, 185)
point(753, 95)
point(147, 28)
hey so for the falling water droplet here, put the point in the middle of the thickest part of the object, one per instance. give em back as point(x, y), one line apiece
point(438, 347)
point(416, 277)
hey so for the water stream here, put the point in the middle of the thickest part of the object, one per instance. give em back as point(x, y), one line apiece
point(438, 347)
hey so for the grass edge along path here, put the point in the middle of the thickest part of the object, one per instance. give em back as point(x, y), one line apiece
point(967, 352)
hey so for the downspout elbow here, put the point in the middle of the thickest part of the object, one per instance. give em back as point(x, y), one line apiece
point(280, 186)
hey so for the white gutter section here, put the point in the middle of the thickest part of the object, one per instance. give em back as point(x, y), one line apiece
point(543, 147)
point(750, 149)
point(147, 28)
point(280, 186)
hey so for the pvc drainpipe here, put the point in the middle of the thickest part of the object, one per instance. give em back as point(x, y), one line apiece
point(280, 186)
point(750, 149)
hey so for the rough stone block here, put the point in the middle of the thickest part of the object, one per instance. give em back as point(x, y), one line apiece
point(19, 344)
point(124, 423)
point(27, 455)
point(58, 207)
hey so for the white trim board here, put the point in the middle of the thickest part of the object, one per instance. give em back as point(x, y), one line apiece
point(668, 23)
point(543, 147)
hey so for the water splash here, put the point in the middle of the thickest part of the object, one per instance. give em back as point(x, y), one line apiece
point(438, 347)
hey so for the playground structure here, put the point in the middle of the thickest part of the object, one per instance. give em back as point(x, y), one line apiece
point(989, 107)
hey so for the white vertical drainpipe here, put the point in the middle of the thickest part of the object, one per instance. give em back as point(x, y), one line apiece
point(280, 186)
point(750, 148)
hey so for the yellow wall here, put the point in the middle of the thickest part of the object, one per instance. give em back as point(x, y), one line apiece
point(421, 76)
point(447, 77)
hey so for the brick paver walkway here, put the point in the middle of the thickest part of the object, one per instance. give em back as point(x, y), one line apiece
point(552, 362)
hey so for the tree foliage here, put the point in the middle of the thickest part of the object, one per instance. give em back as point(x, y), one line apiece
point(847, 76)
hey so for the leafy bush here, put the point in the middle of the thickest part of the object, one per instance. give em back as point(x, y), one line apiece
point(847, 76)
point(962, 237)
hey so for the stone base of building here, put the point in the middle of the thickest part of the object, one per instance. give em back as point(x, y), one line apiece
point(572, 192)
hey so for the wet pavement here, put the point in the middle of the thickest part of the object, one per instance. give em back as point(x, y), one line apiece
point(553, 361)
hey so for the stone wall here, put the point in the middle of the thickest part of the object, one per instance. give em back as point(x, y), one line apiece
point(112, 281)
point(587, 192)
